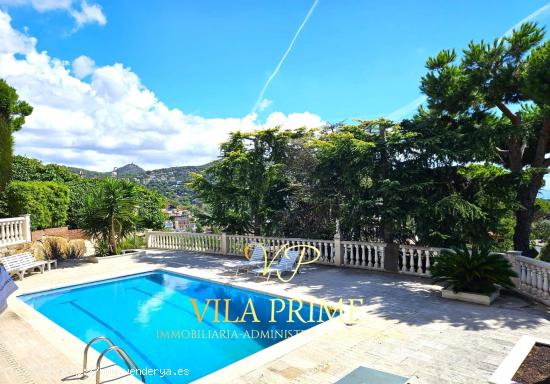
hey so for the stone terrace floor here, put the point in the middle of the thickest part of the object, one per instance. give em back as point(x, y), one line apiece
point(406, 328)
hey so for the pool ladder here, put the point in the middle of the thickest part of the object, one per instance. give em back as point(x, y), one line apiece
point(112, 347)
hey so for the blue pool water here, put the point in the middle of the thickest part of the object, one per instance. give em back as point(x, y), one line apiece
point(152, 316)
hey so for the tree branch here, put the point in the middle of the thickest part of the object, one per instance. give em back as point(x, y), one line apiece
point(508, 113)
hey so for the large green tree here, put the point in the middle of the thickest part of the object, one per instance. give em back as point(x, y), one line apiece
point(493, 104)
point(247, 189)
point(364, 171)
point(12, 117)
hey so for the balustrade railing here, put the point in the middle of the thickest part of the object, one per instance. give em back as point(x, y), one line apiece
point(15, 230)
point(237, 244)
point(416, 260)
point(196, 242)
point(363, 255)
point(533, 277)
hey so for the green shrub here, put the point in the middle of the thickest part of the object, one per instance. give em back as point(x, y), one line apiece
point(131, 242)
point(47, 202)
point(541, 230)
point(27, 169)
point(151, 203)
point(477, 271)
point(56, 248)
point(102, 249)
point(544, 254)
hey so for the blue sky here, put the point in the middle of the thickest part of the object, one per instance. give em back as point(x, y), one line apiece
point(208, 60)
point(353, 59)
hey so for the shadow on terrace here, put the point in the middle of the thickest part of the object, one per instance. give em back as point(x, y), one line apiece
point(406, 299)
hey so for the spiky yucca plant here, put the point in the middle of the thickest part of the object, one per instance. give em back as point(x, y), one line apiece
point(476, 271)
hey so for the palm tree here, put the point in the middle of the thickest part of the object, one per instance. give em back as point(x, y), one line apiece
point(110, 212)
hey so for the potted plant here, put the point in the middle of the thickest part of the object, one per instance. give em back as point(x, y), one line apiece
point(474, 276)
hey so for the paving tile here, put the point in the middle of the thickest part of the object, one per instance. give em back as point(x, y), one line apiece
point(406, 328)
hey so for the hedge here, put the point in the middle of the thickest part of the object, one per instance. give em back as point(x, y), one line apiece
point(47, 202)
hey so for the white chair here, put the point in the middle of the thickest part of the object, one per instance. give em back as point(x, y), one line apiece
point(24, 262)
point(257, 258)
point(285, 264)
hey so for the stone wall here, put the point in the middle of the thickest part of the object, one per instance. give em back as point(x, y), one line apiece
point(65, 232)
point(14, 249)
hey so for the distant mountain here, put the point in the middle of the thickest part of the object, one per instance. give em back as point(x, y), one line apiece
point(170, 182)
point(130, 169)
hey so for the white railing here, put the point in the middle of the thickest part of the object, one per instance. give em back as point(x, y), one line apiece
point(533, 276)
point(358, 254)
point(237, 243)
point(15, 230)
point(416, 260)
point(196, 242)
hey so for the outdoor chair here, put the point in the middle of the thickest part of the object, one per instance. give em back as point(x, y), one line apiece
point(256, 259)
point(24, 262)
point(285, 264)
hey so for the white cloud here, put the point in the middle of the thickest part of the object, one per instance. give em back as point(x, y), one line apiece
point(83, 66)
point(293, 120)
point(40, 5)
point(83, 13)
point(88, 14)
point(113, 119)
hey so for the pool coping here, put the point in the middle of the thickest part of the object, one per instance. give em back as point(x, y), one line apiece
point(72, 347)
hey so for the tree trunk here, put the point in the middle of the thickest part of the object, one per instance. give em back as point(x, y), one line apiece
point(527, 196)
point(113, 237)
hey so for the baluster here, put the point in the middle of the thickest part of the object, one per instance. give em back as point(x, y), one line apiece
point(545, 283)
point(403, 259)
point(428, 264)
point(533, 279)
point(522, 275)
point(539, 281)
point(371, 256)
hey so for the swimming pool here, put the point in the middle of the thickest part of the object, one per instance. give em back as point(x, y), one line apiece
point(171, 322)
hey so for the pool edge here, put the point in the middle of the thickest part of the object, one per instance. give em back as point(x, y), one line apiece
point(72, 347)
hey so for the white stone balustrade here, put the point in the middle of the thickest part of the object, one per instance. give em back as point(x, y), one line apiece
point(415, 260)
point(196, 242)
point(237, 243)
point(363, 255)
point(15, 230)
point(534, 276)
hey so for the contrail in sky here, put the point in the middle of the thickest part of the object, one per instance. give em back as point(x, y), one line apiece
point(538, 12)
point(405, 110)
point(283, 58)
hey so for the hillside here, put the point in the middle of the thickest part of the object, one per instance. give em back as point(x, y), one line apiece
point(170, 182)
point(130, 169)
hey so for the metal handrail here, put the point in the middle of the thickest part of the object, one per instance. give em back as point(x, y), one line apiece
point(112, 347)
point(85, 362)
point(122, 353)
